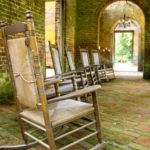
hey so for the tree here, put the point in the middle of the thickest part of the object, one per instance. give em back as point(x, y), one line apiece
point(123, 49)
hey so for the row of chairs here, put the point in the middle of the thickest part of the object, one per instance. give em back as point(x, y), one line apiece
point(103, 72)
point(54, 120)
point(88, 74)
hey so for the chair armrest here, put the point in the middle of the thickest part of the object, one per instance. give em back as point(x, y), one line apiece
point(68, 77)
point(76, 93)
point(52, 80)
point(58, 79)
point(98, 66)
point(67, 73)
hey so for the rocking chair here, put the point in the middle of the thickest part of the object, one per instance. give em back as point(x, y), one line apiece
point(106, 68)
point(81, 72)
point(90, 70)
point(65, 86)
point(42, 119)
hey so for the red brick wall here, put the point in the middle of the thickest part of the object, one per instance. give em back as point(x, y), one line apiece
point(13, 11)
point(86, 26)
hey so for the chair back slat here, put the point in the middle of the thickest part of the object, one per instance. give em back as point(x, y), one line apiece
point(55, 58)
point(85, 57)
point(95, 57)
point(23, 72)
point(70, 60)
point(56, 61)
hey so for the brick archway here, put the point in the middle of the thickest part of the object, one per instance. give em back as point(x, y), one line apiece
point(110, 22)
point(137, 41)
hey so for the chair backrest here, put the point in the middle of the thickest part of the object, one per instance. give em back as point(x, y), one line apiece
point(23, 72)
point(70, 59)
point(95, 57)
point(55, 58)
point(24, 64)
point(85, 57)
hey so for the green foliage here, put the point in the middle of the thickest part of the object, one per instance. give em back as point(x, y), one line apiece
point(6, 96)
point(123, 51)
point(147, 71)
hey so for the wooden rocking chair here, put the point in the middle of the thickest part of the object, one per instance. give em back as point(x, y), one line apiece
point(42, 119)
point(65, 86)
point(91, 74)
point(107, 68)
point(81, 72)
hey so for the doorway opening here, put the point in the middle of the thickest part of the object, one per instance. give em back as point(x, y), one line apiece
point(126, 57)
point(50, 9)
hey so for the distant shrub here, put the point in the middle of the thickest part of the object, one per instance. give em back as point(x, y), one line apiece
point(6, 96)
point(147, 71)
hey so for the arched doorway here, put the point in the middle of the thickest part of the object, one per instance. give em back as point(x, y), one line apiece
point(127, 52)
point(107, 26)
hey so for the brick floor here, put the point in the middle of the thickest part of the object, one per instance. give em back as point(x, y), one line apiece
point(145, 141)
point(125, 116)
point(125, 109)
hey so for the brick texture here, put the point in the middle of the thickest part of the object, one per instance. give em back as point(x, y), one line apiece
point(14, 11)
point(83, 31)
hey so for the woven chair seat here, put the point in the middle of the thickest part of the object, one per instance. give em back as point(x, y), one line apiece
point(60, 112)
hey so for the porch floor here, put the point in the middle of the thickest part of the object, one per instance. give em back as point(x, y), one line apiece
point(125, 115)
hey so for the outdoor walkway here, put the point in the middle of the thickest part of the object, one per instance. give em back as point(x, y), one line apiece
point(125, 114)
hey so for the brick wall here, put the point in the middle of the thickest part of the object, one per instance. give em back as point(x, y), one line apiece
point(70, 21)
point(110, 17)
point(13, 11)
point(86, 26)
point(147, 40)
point(67, 35)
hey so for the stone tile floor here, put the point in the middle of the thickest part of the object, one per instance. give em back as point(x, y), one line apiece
point(125, 115)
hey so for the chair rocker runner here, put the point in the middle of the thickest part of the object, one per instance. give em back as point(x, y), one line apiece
point(107, 68)
point(40, 119)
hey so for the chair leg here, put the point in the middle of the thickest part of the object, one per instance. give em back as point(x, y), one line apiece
point(50, 138)
point(22, 127)
point(97, 116)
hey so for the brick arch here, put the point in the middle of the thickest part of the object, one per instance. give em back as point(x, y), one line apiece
point(143, 6)
point(115, 22)
point(140, 42)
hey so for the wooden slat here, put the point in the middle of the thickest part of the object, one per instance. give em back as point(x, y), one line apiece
point(75, 130)
point(16, 28)
point(78, 141)
point(33, 124)
point(77, 93)
point(19, 147)
point(39, 141)
point(52, 81)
